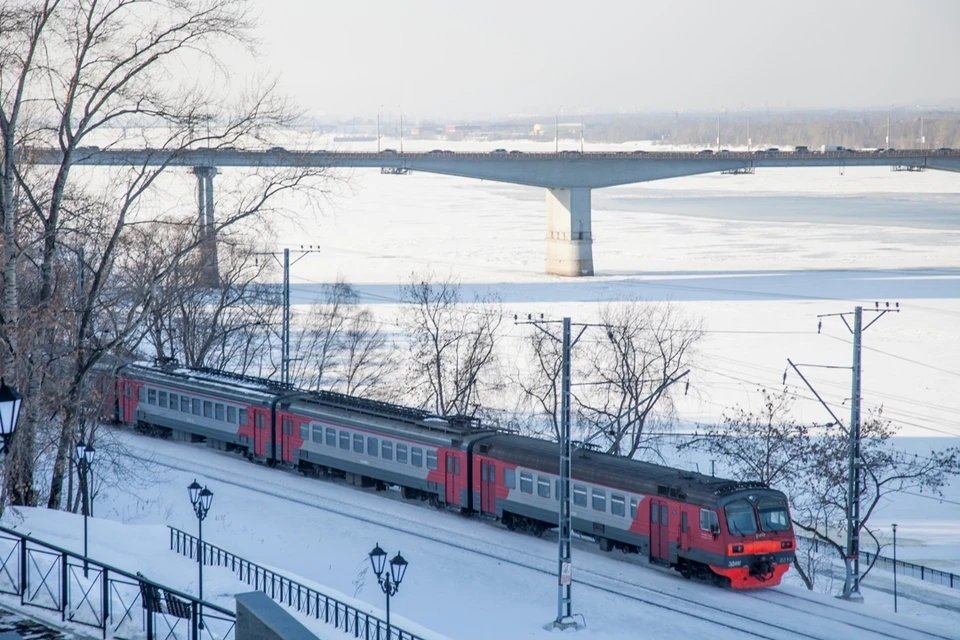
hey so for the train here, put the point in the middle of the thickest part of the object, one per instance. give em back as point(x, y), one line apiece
point(735, 534)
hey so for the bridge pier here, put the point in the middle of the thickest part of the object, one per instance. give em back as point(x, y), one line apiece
point(569, 232)
point(209, 264)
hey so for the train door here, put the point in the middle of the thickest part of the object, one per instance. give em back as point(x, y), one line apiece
point(488, 490)
point(659, 531)
point(453, 471)
point(261, 434)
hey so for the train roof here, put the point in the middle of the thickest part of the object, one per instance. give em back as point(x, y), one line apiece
point(272, 390)
point(614, 471)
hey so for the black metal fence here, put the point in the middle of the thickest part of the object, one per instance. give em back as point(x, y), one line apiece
point(93, 594)
point(909, 569)
point(289, 592)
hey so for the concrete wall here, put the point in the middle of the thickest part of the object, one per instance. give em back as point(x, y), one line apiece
point(260, 618)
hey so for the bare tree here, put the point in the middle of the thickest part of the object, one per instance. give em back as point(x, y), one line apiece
point(453, 344)
point(86, 68)
point(540, 384)
point(225, 326)
point(317, 345)
point(367, 363)
point(628, 375)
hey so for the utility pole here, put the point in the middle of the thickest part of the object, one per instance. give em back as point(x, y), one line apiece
point(565, 617)
point(285, 338)
point(285, 331)
point(851, 584)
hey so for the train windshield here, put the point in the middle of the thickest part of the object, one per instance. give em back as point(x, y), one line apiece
point(773, 514)
point(741, 518)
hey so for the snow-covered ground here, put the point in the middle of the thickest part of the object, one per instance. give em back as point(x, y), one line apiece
point(467, 579)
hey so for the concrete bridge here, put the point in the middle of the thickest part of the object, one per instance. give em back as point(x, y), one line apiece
point(568, 176)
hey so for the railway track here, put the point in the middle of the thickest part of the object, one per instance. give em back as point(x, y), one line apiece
point(758, 627)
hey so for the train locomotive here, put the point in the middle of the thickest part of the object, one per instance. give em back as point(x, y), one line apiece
point(733, 533)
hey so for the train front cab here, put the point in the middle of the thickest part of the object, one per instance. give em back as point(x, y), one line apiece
point(756, 538)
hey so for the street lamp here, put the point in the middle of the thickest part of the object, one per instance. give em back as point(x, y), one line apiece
point(85, 455)
point(10, 402)
point(894, 568)
point(201, 499)
point(389, 581)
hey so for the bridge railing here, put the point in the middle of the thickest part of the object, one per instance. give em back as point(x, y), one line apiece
point(909, 569)
point(283, 590)
point(93, 594)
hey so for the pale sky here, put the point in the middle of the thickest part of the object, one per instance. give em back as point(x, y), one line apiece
point(453, 58)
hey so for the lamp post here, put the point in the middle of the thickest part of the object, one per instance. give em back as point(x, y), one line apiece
point(201, 500)
point(85, 455)
point(894, 568)
point(389, 581)
point(10, 402)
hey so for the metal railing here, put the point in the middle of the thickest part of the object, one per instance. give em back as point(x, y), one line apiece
point(93, 594)
point(908, 569)
point(283, 590)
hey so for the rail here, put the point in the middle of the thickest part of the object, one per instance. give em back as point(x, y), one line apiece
point(908, 569)
point(283, 590)
point(94, 594)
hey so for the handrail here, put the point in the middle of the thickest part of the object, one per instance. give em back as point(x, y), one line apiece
point(112, 569)
point(91, 593)
point(290, 592)
point(926, 574)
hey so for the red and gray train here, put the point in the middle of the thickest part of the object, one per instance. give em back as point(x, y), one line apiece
point(733, 533)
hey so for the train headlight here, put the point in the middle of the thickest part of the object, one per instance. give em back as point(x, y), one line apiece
point(786, 544)
point(737, 548)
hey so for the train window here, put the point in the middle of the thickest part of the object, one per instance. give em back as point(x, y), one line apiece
point(128, 390)
point(431, 459)
point(456, 466)
point(543, 487)
point(185, 404)
point(683, 521)
point(231, 414)
point(207, 409)
point(163, 399)
point(773, 514)
point(579, 495)
point(151, 396)
point(331, 437)
point(317, 434)
point(556, 489)
point(304, 431)
point(416, 456)
point(357, 443)
point(174, 401)
point(599, 500)
point(633, 508)
point(741, 519)
point(220, 412)
point(242, 417)
point(654, 513)
point(526, 482)
point(197, 407)
point(510, 478)
point(618, 505)
point(401, 453)
point(344, 440)
point(386, 450)
point(260, 420)
point(373, 447)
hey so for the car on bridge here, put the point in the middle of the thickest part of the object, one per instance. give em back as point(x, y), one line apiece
point(801, 149)
point(516, 153)
point(498, 152)
point(389, 152)
point(705, 152)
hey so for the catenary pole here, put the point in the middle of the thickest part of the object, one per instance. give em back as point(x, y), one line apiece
point(851, 583)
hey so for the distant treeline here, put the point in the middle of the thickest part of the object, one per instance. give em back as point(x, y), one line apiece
point(813, 129)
